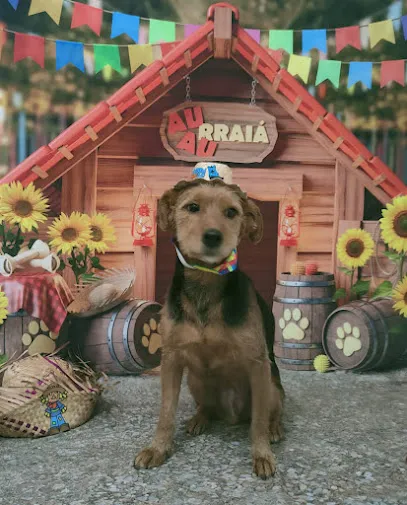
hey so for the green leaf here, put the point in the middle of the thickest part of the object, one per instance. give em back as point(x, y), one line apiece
point(35, 230)
point(361, 288)
point(3, 358)
point(10, 236)
point(95, 261)
point(346, 271)
point(62, 264)
point(80, 257)
point(31, 242)
point(339, 293)
point(393, 256)
point(87, 277)
point(383, 289)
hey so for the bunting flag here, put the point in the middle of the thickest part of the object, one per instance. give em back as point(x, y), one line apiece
point(70, 52)
point(255, 34)
point(14, 3)
point(314, 39)
point(107, 54)
point(329, 70)
point(392, 71)
point(3, 39)
point(404, 25)
point(300, 65)
point(161, 31)
point(349, 36)
point(29, 46)
point(125, 24)
point(85, 15)
point(140, 55)
point(360, 71)
point(383, 30)
point(190, 29)
point(282, 39)
point(395, 13)
point(276, 55)
point(167, 47)
point(52, 8)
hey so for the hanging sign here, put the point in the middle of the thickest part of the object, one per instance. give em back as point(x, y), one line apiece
point(212, 131)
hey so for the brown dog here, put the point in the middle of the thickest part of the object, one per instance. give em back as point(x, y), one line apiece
point(216, 326)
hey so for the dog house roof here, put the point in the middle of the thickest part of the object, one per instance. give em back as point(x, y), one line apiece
point(220, 37)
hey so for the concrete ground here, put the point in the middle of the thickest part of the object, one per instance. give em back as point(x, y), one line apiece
point(346, 444)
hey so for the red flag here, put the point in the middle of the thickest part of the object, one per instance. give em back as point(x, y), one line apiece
point(29, 46)
point(349, 36)
point(392, 71)
point(3, 37)
point(86, 15)
point(277, 55)
point(166, 47)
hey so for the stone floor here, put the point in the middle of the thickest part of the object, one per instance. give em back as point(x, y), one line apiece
point(346, 444)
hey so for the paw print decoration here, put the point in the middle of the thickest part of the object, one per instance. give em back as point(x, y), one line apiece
point(348, 339)
point(38, 338)
point(293, 324)
point(151, 339)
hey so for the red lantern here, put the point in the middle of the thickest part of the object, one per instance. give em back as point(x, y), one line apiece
point(289, 228)
point(144, 219)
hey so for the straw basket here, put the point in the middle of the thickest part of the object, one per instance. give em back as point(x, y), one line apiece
point(102, 292)
point(44, 396)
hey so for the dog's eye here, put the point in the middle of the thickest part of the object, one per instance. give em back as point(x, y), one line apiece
point(231, 213)
point(192, 207)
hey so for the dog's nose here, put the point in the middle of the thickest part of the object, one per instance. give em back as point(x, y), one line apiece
point(212, 238)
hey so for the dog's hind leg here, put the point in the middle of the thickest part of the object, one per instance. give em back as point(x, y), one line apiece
point(204, 413)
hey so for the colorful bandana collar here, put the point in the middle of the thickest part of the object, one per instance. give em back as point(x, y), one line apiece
point(228, 266)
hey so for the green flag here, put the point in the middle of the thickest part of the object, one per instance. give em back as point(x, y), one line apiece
point(329, 69)
point(161, 31)
point(107, 54)
point(281, 39)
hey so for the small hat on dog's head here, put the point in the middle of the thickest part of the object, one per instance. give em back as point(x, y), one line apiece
point(211, 170)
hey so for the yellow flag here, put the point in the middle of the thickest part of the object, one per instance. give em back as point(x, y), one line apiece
point(299, 65)
point(52, 7)
point(383, 30)
point(140, 55)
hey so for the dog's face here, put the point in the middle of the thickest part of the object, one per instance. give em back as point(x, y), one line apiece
point(209, 218)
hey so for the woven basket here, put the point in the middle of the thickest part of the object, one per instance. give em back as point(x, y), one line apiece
point(103, 292)
point(51, 399)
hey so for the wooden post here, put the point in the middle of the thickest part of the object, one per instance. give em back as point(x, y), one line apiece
point(223, 20)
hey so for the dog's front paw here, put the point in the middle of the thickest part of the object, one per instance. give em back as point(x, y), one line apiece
point(197, 424)
point(151, 457)
point(276, 432)
point(264, 465)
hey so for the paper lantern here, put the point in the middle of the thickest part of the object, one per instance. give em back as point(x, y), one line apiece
point(144, 220)
point(289, 229)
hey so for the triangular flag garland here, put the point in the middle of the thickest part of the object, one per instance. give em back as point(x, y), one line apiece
point(107, 54)
point(404, 25)
point(86, 15)
point(349, 36)
point(125, 24)
point(140, 55)
point(29, 46)
point(392, 71)
point(329, 70)
point(360, 71)
point(52, 8)
point(314, 39)
point(281, 39)
point(300, 65)
point(383, 30)
point(70, 52)
point(14, 3)
point(161, 31)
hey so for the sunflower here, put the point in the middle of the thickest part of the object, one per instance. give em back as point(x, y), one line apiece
point(394, 224)
point(3, 307)
point(400, 297)
point(67, 232)
point(23, 206)
point(354, 248)
point(102, 232)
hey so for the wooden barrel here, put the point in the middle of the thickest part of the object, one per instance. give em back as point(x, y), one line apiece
point(301, 306)
point(365, 335)
point(122, 341)
point(21, 332)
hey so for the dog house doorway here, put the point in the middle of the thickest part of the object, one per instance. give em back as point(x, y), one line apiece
point(259, 261)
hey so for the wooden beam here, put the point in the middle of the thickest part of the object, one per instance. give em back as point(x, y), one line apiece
point(322, 139)
point(223, 32)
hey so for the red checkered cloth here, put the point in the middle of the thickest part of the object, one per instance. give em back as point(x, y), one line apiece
point(42, 295)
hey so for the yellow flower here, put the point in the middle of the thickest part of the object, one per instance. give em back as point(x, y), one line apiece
point(3, 307)
point(394, 224)
point(67, 232)
point(23, 206)
point(400, 297)
point(102, 232)
point(354, 248)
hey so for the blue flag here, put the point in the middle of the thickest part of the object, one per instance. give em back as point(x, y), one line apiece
point(14, 3)
point(70, 52)
point(314, 39)
point(360, 71)
point(124, 23)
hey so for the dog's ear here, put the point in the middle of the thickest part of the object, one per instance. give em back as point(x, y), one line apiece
point(166, 206)
point(253, 221)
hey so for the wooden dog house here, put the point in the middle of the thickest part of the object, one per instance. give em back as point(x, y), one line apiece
point(107, 156)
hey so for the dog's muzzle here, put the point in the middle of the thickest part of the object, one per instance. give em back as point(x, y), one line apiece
point(212, 238)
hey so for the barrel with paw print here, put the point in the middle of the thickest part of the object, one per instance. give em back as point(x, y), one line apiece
point(123, 341)
point(300, 307)
point(366, 335)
